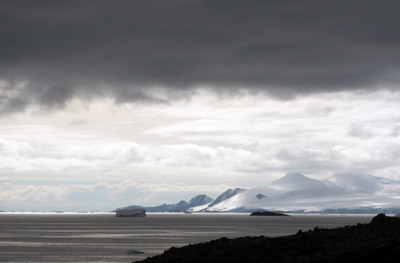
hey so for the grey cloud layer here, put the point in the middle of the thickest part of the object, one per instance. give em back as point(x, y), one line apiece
point(65, 49)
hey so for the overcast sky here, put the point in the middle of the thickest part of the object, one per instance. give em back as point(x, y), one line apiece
point(112, 103)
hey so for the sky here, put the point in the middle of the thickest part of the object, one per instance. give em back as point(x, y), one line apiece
point(105, 104)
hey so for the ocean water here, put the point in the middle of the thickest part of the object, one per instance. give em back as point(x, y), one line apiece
point(106, 238)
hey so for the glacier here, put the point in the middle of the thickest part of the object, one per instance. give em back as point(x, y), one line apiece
point(298, 193)
point(295, 192)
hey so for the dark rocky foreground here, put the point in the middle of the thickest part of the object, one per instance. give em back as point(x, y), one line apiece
point(378, 241)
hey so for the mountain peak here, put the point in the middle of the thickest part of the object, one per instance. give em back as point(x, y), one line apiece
point(294, 175)
point(296, 180)
point(199, 200)
point(292, 178)
point(226, 195)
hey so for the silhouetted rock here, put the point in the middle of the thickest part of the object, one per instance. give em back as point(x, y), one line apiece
point(267, 213)
point(139, 212)
point(378, 241)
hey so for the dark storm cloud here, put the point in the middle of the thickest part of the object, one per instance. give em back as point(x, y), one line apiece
point(66, 49)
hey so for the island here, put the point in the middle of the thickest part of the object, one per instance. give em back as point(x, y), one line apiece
point(267, 213)
point(131, 213)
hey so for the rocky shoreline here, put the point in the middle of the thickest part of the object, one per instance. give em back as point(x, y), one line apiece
point(377, 241)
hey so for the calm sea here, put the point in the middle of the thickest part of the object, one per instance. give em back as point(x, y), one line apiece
point(106, 238)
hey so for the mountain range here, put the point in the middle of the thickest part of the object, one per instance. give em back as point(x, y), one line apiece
point(181, 206)
point(294, 192)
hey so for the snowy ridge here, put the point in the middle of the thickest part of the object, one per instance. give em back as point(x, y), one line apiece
point(296, 192)
point(339, 193)
point(181, 206)
point(226, 195)
point(199, 201)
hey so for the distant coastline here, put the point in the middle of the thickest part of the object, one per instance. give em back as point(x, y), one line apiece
point(296, 193)
point(267, 213)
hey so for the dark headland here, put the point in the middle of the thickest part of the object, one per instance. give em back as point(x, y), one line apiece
point(267, 213)
point(377, 241)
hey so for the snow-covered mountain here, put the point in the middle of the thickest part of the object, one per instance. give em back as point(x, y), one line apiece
point(181, 206)
point(359, 183)
point(226, 195)
point(296, 192)
point(222, 197)
point(199, 200)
